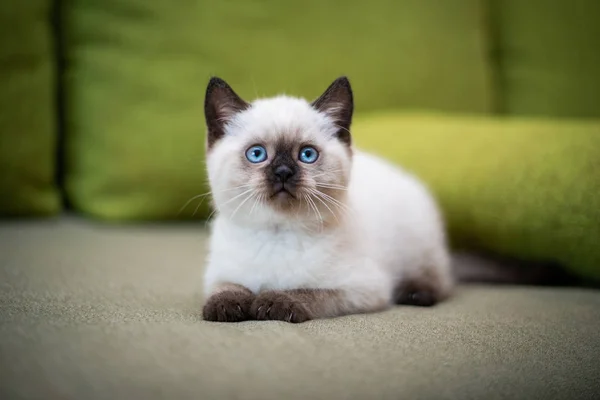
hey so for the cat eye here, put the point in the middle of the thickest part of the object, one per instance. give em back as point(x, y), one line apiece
point(308, 155)
point(256, 154)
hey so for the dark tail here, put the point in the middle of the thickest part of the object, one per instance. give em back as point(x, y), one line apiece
point(491, 269)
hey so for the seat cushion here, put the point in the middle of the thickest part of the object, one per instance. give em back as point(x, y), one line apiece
point(526, 188)
point(137, 71)
point(107, 312)
point(27, 110)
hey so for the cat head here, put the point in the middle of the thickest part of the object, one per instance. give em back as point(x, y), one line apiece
point(280, 159)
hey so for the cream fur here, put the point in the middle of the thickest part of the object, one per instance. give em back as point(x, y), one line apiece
point(390, 230)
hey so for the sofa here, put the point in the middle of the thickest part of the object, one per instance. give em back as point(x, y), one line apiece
point(493, 103)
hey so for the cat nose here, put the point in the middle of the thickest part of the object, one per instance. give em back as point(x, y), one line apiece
point(283, 172)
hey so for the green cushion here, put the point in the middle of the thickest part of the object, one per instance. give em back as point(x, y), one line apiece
point(549, 56)
point(137, 71)
point(27, 109)
point(525, 188)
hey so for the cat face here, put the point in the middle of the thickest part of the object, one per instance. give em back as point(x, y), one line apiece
point(280, 159)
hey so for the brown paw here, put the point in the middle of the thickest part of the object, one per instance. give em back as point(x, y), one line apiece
point(228, 306)
point(417, 298)
point(279, 306)
point(416, 295)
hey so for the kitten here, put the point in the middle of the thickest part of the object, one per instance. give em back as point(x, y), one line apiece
point(308, 226)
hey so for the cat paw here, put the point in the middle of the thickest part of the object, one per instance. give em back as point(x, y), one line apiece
point(415, 294)
point(279, 306)
point(421, 298)
point(228, 306)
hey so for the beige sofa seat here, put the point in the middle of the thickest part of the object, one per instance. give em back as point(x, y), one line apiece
point(92, 311)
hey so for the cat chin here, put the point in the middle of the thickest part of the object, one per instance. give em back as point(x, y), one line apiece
point(282, 196)
point(283, 201)
point(281, 210)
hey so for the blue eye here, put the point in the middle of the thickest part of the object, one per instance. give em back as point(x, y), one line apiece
point(308, 155)
point(256, 154)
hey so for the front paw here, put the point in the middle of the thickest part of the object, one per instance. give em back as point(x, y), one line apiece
point(228, 306)
point(279, 306)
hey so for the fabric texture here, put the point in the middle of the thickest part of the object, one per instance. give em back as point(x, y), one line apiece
point(27, 110)
point(525, 188)
point(101, 312)
point(548, 58)
point(137, 71)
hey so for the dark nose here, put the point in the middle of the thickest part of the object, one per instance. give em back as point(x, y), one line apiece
point(283, 172)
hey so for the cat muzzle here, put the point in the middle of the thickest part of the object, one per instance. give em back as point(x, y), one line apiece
point(282, 190)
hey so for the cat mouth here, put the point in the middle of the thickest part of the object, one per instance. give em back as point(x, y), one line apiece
point(282, 193)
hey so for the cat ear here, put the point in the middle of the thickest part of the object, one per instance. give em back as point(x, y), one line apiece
point(221, 103)
point(337, 102)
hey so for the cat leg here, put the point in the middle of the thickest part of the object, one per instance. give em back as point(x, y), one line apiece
point(425, 288)
point(299, 305)
point(229, 302)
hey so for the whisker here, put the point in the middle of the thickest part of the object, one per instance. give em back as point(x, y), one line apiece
point(306, 225)
point(327, 172)
point(241, 204)
point(328, 186)
point(216, 209)
point(330, 210)
point(334, 200)
point(203, 195)
point(236, 197)
point(315, 208)
point(300, 206)
point(210, 216)
point(198, 206)
point(305, 197)
point(192, 199)
point(246, 185)
point(258, 199)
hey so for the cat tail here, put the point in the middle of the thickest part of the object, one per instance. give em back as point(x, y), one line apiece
point(471, 267)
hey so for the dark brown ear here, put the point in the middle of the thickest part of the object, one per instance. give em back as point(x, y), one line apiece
point(338, 103)
point(221, 103)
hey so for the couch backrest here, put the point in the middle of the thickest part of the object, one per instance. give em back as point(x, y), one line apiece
point(27, 110)
point(548, 56)
point(136, 73)
point(136, 70)
point(399, 54)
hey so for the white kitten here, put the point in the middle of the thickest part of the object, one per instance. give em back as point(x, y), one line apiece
point(307, 226)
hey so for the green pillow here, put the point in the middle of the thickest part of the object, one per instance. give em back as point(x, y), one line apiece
point(523, 188)
point(137, 71)
point(27, 109)
point(549, 56)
